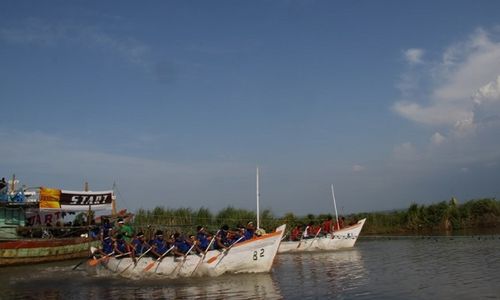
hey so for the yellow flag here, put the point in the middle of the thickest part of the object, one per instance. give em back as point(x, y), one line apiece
point(49, 198)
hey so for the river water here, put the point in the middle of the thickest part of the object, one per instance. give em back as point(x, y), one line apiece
point(376, 268)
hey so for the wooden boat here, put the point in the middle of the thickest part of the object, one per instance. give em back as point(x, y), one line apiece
point(340, 239)
point(25, 236)
point(251, 256)
point(29, 251)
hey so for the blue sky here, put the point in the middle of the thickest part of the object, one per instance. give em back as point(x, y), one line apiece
point(177, 102)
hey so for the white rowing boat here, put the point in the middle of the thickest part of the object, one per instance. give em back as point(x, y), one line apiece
point(340, 239)
point(251, 256)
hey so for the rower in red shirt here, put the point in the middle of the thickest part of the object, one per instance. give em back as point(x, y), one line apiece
point(326, 227)
point(340, 223)
point(312, 230)
point(296, 233)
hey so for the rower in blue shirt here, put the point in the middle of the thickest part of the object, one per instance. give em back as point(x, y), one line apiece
point(159, 244)
point(121, 246)
point(140, 246)
point(181, 245)
point(202, 237)
point(107, 246)
point(222, 241)
point(249, 231)
point(106, 228)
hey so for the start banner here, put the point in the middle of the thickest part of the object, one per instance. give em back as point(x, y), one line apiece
point(55, 199)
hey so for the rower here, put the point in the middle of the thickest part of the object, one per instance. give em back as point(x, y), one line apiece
point(194, 241)
point(106, 228)
point(107, 246)
point(125, 230)
point(202, 237)
point(249, 231)
point(233, 236)
point(296, 232)
point(241, 232)
point(140, 246)
point(121, 246)
point(181, 245)
point(326, 227)
point(221, 241)
point(159, 244)
point(311, 230)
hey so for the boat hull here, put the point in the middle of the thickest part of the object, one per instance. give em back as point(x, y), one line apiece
point(28, 251)
point(341, 239)
point(252, 256)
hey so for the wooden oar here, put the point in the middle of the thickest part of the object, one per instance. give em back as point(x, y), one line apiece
point(151, 264)
point(94, 262)
point(135, 263)
point(212, 259)
point(205, 253)
point(92, 250)
point(317, 233)
point(177, 270)
point(302, 237)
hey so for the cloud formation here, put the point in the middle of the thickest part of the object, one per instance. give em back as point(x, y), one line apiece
point(414, 56)
point(467, 74)
point(461, 102)
point(437, 138)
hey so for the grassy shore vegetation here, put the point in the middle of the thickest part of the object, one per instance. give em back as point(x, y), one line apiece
point(444, 216)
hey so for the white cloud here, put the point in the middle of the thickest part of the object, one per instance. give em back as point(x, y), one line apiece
point(358, 168)
point(436, 114)
point(437, 138)
point(458, 99)
point(467, 75)
point(414, 56)
point(488, 93)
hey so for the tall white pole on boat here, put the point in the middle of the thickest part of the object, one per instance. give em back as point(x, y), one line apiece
point(335, 206)
point(258, 200)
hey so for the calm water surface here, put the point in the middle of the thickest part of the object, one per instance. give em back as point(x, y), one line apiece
point(403, 268)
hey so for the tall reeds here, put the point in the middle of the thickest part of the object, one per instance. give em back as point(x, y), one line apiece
point(445, 215)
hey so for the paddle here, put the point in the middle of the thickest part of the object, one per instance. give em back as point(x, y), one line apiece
point(151, 264)
point(302, 237)
point(135, 262)
point(317, 233)
point(94, 262)
point(92, 250)
point(184, 260)
point(212, 259)
point(205, 253)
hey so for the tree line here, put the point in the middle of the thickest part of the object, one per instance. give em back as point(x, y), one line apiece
point(442, 216)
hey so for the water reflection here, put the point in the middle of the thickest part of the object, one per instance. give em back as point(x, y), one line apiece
point(320, 273)
point(411, 268)
point(56, 282)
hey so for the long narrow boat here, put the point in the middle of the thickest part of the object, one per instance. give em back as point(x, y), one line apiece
point(251, 256)
point(340, 239)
